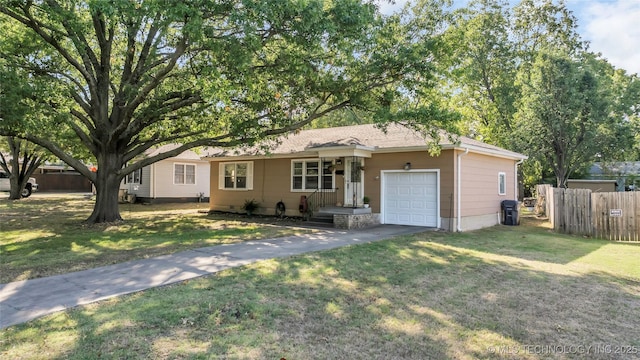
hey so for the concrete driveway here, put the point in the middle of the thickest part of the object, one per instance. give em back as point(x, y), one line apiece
point(22, 301)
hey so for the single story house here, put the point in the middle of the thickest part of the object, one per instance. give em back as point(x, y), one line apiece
point(177, 179)
point(593, 185)
point(337, 168)
point(625, 173)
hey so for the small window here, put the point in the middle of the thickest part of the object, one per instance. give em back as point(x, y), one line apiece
point(134, 178)
point(502, 183)
point(236, 176)
point(184, 174)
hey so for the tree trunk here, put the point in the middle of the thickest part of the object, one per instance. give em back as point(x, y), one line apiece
point(106, 208)
point(24, 161)
point(16, 186)
point(561, 178)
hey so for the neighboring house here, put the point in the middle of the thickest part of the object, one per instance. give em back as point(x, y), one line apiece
point(626, 173)
point(593, 185)
point(181, 178)
point(461, 189)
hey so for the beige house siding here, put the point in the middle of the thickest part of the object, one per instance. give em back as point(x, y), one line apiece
point(271, 184)
point(419, 161)
point(272, 181)
point(480, 198)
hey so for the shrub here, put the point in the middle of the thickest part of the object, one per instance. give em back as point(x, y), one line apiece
point(250, 206)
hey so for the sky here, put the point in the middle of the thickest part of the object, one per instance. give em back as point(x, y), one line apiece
point(612, 27)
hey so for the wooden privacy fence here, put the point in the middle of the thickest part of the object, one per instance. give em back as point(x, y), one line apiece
point(571, 211)
point(616, 215)
point(605, 215)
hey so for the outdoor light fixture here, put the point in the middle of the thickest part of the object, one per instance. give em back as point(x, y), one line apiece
point(407, 166)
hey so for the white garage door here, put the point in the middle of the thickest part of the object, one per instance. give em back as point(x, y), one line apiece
point(410, 198)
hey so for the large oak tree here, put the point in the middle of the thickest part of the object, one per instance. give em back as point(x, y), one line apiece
point(134, 74)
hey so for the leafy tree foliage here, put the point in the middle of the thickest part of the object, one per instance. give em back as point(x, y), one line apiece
point(483, 69)
point(132, 75)
point(563, 116)
point(507, 81)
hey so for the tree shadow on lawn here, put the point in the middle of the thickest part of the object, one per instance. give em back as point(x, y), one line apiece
point(55, 248)
point(397, 299)
point(528, 242)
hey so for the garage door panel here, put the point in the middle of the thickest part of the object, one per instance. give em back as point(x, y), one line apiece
point(403, 204)
point(420, 205)
point(411, 198)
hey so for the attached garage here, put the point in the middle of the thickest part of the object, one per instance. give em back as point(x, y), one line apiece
point(411, 198)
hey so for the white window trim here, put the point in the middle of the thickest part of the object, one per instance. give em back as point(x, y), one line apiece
point(304, 167)
point(132, 175)
point(502, 183)
point(184, 166)
point(249, 176)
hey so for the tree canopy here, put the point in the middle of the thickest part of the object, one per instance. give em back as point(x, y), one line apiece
point(125, 76)
point(522, 78)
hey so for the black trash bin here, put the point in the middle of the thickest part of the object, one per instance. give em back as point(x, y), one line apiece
point(510, 212)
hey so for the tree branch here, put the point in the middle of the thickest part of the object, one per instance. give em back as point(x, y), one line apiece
point(61, 154)
point(38, 28)
point(81, 44)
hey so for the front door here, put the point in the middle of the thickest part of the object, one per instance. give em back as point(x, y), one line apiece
point(353, 184)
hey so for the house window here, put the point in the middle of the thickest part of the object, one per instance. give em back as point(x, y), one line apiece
point(311, 175)
point(236, 176)
point(184, 174)
point(502, 183)
point(134, 177)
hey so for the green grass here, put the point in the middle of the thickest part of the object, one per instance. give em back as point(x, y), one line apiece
point(493, 293)
point(46, 236)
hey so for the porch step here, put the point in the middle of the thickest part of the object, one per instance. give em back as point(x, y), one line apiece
point(322, 218)
point(343, 210)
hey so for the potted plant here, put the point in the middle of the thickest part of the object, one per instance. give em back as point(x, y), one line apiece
point(366, 201)
point(250, 206)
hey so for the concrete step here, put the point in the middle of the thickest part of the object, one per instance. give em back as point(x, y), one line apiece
point(323, 218)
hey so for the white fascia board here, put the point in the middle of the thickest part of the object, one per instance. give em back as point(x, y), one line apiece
point(365, 151)
point(493, 152)
point(401, 149)
point(340, 151)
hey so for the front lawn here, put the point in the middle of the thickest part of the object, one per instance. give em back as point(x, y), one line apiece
point(44, 236)
point(506, 292)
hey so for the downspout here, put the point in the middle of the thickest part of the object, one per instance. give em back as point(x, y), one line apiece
point(515, 173)
point(153, 181)
point(459, 217)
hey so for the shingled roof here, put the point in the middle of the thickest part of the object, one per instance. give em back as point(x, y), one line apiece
point(395, 138)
